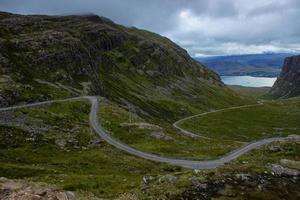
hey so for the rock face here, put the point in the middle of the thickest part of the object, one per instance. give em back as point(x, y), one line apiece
point(20, 189)
point(279, 170)
point(288, 83)
point(245, 186)
point(46, 57)
point(11, 189)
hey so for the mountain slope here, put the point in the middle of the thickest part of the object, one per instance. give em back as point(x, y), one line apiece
point(46, 57)
point(252, 64)
point(288, 83)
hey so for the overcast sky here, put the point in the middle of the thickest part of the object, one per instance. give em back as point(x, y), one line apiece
point(203, 27)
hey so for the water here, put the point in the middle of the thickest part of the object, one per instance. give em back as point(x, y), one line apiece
point(249, 81)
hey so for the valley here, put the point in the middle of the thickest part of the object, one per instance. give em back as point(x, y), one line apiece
point(100, 110)
point(38, 165)
point(255, 65)
point(248, 123)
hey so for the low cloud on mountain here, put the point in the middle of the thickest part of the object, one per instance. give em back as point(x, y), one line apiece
point(213, 27)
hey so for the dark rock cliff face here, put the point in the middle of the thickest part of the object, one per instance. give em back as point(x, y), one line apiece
point(288, 83)
point(46, 57)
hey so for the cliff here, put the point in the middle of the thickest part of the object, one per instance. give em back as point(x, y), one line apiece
point(288, 83)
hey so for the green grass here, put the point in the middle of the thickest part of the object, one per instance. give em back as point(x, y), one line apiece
point(143, 68)
point(41, 91)
point(174, 144)
point(259, 160)
point(279, 118)
point(11, 137)
point(255, 163)
point(251, 92)
point(101, 169)
point(64, 121)
point(104, 170)
point(163, 97)
point(108, 172)
point(178, 88)
point(31, 91)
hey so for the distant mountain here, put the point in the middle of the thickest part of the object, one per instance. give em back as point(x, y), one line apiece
point(288, 83)
point(250, 64)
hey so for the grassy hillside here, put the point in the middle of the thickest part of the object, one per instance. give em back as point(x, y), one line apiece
point(54, 144)
point(159, 138)
point(251, 92)
point(272, 118)
point(146, 82)
point(48, 57)
point(249, 177)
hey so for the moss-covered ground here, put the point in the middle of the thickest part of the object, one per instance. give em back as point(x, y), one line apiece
point(255, 164)
point(99, 168)
point(251, 92)
point(162, 140)
point(272, 118)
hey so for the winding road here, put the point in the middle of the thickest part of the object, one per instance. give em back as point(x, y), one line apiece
point(191, 134)
point(192, 164)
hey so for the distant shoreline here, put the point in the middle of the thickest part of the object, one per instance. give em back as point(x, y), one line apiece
point(249, 81)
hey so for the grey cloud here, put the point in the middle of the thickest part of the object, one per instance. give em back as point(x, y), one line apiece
point(214, 8)
point(200, 26)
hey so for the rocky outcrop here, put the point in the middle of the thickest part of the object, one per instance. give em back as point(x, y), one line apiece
point(244, 186)
point(288, 83)
point(279, 170)
point(21, 189)
point(11, 189)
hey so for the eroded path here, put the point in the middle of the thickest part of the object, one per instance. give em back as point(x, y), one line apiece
point(192, 164)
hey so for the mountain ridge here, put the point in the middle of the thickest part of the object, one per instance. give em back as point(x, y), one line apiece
point(267, 64)
point(88, 54)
